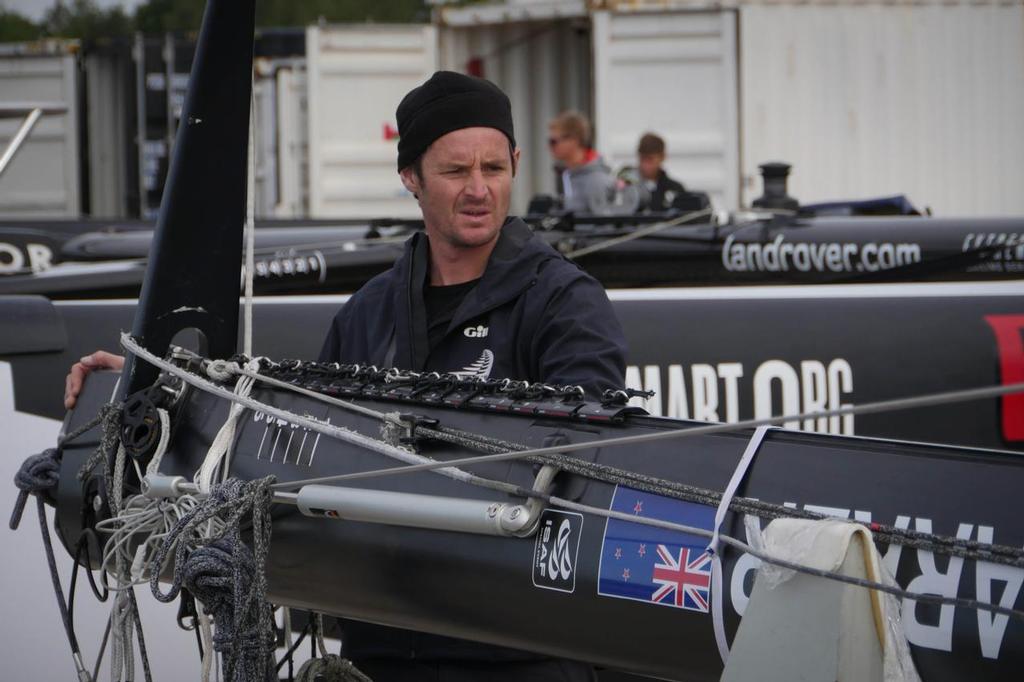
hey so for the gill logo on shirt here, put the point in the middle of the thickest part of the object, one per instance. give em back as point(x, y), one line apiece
point(477, 332)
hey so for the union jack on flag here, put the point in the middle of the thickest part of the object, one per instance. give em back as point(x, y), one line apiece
point(656, 565)
point(684, 577)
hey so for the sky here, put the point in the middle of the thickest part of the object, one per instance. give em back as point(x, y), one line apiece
point(34, 9)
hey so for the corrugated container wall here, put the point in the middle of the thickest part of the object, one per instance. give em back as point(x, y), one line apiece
point(673, 74)
point(279, 95)
point(111, 126)
point(43, 179)
point(356, 75)
point(868, 100)
point(544, 66)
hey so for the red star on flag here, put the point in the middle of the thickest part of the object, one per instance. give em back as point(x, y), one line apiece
point(618, 552)
point(638, 507)
point(625, 574)
point(642, 550)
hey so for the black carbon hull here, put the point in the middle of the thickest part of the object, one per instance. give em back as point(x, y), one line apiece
point(488, 589)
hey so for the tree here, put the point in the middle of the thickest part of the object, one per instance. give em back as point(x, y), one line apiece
point(159, 16)
point(83, 19)
point(14, 28)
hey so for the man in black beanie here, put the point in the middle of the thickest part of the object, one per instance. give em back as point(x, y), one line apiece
point(475, 294)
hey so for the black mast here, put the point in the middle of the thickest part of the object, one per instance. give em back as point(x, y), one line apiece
point(192, 280)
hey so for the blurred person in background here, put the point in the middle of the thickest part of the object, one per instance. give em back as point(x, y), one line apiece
point(665, 193)
point(583, 173)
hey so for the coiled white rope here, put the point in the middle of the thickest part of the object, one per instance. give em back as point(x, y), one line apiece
point(218, 458)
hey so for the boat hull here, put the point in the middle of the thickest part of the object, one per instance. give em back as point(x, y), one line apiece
point(490, 589)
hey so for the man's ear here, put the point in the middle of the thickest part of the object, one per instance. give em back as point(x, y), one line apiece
point(410, 180)
point(515, 160)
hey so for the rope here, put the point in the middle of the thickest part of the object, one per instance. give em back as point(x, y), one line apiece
point(800, 568)
point(638, 233)
point(506, 450)
point(136, 533)
point(109, 420)
point(968, 549)
point(225, 575)
point(39, 474)
point(161, 446)
point(218, 573)
point(330, 668)
point(865, 408)
point(218, 457)
point(338, 432)
point(231, 368)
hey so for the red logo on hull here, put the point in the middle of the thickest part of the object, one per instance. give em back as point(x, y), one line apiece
point(1009, 331)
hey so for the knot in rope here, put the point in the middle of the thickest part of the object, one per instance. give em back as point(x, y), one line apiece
point(38, 474)
point(225, 575)
point(109, 419)
point(216, 574)
point(221, 370)
point(330, 668)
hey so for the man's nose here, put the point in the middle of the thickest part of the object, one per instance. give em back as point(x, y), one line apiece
point(475, 185)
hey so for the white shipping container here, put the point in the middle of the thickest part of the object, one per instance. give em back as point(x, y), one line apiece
point(673, 74)
point(869, 99)
point(42, 180)
point(356, 77)
point(279, 97)
point(544, 66)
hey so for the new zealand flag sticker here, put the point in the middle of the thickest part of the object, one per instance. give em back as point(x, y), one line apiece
point(655, 565)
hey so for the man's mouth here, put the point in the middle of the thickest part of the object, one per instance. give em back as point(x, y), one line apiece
point(475, 212)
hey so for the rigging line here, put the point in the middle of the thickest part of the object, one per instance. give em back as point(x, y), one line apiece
point(945, 545)
point(931, 399)
point(352, 437)
point(801, 568)
point(968, 549)
point(641, 232)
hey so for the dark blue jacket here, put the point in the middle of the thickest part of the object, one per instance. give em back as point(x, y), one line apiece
point(534, 316)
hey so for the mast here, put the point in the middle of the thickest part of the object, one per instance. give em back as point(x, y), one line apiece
point(192, 279)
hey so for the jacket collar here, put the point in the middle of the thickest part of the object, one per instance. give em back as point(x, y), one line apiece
point(511, 269)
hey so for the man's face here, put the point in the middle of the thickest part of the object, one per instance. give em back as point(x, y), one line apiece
point(465, 187)
point(563, 148)
point(650, 164)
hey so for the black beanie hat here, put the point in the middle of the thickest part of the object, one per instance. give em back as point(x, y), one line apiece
point(449, 101)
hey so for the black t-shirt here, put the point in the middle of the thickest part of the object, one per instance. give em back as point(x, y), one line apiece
point(441, 303)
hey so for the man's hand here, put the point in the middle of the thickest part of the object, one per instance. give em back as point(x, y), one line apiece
point(101, 359)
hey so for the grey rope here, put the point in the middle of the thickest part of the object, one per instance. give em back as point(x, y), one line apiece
point(638, 233)
point(125, 610)
point(226, 576)
point(231, 368)
point(800, 568)
point(865, 408)
point(330, 668)
point(968, 549)
point(110, 424)
point(39, 474)
point(346, 435)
